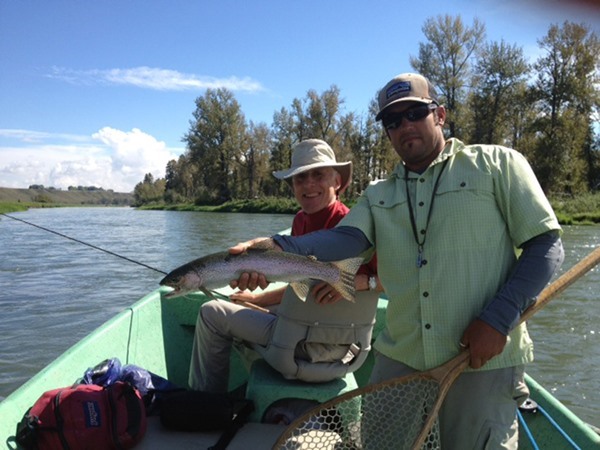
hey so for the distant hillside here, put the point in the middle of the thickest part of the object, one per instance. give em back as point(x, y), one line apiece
point(70, 197)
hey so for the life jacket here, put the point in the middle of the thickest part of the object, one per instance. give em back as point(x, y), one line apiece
point(343, 325)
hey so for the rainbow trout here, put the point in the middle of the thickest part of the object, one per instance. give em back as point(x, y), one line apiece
point(217, 270)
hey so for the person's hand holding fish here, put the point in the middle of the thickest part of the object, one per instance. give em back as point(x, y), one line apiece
point(252, 280)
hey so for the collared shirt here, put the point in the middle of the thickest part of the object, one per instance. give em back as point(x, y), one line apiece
point(488, 202)
point(328, 217)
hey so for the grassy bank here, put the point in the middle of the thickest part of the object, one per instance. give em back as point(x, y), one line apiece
point(6, 207)
point(580, 210)
point(36, 198)
point(268, 205)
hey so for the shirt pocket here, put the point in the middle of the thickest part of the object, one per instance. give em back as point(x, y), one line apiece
point(468, 207)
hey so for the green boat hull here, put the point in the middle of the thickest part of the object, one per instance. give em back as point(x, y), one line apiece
point(156, 333)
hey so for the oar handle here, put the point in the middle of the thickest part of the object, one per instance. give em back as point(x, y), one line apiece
point(563, 282)
point(447, 373)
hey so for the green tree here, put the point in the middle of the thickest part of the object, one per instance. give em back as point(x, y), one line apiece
point(179, 181)
point(446, 61)
point(567, 94)
point(317, 116)
point(501, 76)
point(370, 151)
point(255, 160)
point(282, 131)
point(215, 140)
point(149, 190)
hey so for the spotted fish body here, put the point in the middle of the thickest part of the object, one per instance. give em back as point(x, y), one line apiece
point(218, 269)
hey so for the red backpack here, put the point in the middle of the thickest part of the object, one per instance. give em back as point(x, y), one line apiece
point(84, 417)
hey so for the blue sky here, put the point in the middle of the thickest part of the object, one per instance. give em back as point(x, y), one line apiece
point(101, 92)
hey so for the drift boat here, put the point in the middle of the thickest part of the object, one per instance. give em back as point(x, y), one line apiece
point(156, 333)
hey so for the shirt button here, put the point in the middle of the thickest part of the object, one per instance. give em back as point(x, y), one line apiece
point(381, 202)
point(425, 294)
point(422, 180)
point(463, 184)
point(427, 326)
point(423, 231)
point(421, 203)
point(424, 262)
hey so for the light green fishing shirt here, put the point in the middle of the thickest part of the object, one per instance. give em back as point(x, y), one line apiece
point(488, 203)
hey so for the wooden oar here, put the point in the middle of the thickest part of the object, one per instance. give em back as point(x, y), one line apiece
point(384, 396)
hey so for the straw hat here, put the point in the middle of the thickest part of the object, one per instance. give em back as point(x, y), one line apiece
point(311, 154)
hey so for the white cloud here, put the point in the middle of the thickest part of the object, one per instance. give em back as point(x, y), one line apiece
point(154, 78)
point(109, 158)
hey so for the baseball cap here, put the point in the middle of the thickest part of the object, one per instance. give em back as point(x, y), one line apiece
point(406, 87)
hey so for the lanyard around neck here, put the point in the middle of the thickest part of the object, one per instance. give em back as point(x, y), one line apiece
point(421, 243)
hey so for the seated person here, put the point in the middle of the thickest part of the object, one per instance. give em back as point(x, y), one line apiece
point(316, 180)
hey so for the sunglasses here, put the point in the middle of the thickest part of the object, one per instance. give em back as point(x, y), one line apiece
point(394, 120)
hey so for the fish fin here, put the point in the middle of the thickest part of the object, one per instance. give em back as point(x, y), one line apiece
point(301, 289)
point(208, 293)
point(345, 285)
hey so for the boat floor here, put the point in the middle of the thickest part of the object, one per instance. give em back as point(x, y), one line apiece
point(255, 436)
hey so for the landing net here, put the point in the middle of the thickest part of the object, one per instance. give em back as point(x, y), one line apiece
point(384, 416)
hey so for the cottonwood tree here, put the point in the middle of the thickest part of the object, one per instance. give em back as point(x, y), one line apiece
point(566, 90)
point(501, 78)
point(214, 142)
point(254, 165)
point(445, 59)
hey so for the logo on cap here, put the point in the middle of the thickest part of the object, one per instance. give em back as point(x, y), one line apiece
point(398, 88)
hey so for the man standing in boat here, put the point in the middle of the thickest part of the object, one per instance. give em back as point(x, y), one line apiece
point(445, 226)
point(317, 180)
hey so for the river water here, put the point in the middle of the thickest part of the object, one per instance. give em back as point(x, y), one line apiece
point(54, 291)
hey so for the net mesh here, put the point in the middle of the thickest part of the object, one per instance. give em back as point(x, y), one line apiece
point(388, 418)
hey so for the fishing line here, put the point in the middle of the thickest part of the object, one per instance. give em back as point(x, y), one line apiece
point(215, 293)
point(86, 243)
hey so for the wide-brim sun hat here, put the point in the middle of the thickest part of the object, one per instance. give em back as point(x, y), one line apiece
point(312, 154)
point(406, 87)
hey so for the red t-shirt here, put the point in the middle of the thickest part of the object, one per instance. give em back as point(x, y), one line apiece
point(327, 218)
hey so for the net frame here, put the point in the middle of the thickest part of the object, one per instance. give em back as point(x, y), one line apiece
point(316, 429)
point(420, 396)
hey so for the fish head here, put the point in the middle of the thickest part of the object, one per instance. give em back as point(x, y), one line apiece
point(183, 281)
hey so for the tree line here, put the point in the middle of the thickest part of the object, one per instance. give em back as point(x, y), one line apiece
point(548, 110)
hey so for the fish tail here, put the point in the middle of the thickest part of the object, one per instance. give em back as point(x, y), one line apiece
point(345, 284)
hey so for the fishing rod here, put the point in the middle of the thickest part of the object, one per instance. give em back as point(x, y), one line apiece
point(79, 241)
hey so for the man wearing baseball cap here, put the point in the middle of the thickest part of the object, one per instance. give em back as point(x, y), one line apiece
point(445, 225)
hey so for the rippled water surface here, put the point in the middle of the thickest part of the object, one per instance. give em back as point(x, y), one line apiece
point(55, 291)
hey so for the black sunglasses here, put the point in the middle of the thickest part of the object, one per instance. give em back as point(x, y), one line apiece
point(394, 120)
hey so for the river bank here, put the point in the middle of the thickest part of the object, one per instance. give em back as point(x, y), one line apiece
point(12, 199)
point(580, 210)
point(577, 210)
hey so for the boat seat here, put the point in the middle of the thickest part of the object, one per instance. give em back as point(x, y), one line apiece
point(266, 385)
point(339, 335)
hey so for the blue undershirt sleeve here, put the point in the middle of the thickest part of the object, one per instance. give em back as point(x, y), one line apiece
point(333, 244)
point(540, 259)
